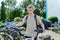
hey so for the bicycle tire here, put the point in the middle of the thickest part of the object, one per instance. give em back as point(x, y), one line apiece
point(6, 35)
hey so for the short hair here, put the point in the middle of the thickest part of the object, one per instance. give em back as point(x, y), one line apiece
point(30, 6)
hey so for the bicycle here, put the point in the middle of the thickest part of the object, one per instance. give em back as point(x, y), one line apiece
point(11, 33)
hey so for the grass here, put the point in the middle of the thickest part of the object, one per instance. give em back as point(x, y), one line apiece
point(1, 38)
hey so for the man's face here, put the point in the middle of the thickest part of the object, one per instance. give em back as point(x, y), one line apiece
point(30, 10)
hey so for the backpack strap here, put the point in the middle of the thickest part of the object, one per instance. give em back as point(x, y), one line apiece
point(26, 18)
point(35, 17)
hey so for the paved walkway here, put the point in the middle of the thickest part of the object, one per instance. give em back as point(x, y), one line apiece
point(54, 35)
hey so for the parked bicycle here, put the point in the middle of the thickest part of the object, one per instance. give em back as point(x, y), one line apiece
point(11, 33)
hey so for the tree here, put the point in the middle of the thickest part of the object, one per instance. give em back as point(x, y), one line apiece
point(40, 6)
point(24, 5)
point(10, 4)
point(0, 13)
point(16, 13)
point(53, 19)
point(3, 16)
point(7, 14)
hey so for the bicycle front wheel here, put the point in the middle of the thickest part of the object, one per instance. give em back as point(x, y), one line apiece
point(5, 36)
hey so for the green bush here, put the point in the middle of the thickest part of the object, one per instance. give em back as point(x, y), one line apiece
point(2, 25)
point(17, 19)
point(53, 19)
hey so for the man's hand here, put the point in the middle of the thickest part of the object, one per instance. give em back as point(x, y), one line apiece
point(43, 29)
point(18, 25)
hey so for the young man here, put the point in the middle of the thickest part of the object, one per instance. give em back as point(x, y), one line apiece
point(31, 23)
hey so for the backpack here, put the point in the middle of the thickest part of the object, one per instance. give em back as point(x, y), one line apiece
point(39, 28)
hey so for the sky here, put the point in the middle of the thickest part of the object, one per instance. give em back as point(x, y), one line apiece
point(54, 8)
point(0, 2)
